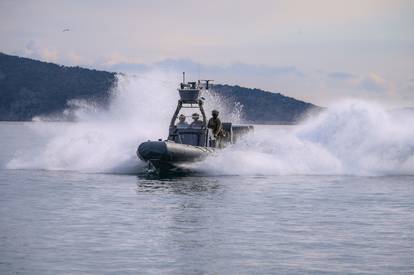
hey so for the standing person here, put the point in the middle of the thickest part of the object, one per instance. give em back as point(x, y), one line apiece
point(182, 124)
point(214, 124)
point(196, 122)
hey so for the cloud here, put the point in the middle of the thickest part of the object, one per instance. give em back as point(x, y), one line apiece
point(264, 70)
point(191, 67)
point(133, 68)
point(341, 76)
point(116, 58)
point(373, 83)
point(409, 87)
point(33, 50)
point(180, 65)
point(75, 58)
point(50, 55)
point(289, 80)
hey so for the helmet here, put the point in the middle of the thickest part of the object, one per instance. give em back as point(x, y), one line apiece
point(215, 112)
point(195, 116)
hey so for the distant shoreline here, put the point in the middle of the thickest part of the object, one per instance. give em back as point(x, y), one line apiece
point(31, 88)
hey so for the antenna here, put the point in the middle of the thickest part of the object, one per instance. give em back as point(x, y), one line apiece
point(183, 77)
point(207, 83)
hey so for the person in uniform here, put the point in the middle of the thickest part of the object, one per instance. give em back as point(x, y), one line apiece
point(182, 123)
point(214, 124)
point(196, 122)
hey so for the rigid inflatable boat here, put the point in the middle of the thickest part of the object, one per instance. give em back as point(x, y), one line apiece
point(188, 144)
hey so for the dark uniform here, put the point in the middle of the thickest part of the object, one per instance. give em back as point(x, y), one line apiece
point(215, 125)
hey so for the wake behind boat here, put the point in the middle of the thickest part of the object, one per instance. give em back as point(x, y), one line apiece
point(188, 143)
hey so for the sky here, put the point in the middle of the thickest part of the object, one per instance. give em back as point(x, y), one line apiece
point(319, 51)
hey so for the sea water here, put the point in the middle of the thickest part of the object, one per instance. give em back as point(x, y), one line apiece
point(334, 194)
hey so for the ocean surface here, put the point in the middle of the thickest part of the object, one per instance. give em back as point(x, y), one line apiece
point(74, 201)
point(333, 194)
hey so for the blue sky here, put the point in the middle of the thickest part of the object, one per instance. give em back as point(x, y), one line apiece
point(320, 51)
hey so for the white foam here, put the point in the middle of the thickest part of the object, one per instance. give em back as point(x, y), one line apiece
point(349, 138)
point(352, 137)
point(105, 140)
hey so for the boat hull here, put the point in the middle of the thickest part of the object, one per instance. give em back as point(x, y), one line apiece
point(169, 156)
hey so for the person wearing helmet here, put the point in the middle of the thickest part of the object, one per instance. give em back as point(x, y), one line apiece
point(182, 123)
point(215, 124)
point(196, 122)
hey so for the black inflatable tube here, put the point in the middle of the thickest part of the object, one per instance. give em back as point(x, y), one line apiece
point(171, 152)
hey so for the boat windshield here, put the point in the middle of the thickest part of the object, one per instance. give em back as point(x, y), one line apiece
point(190, 136)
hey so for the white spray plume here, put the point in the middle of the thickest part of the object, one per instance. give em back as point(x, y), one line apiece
point(105, 140)
point(352, 137)
point(349, 138)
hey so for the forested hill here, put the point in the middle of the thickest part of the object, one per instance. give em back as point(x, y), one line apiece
point(265, 107)
point(30, 88)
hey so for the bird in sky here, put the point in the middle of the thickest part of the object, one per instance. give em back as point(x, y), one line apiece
point(65, 30)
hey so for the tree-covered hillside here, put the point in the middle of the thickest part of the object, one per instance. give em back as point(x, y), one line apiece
point(30, 88)
point(265, 107)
